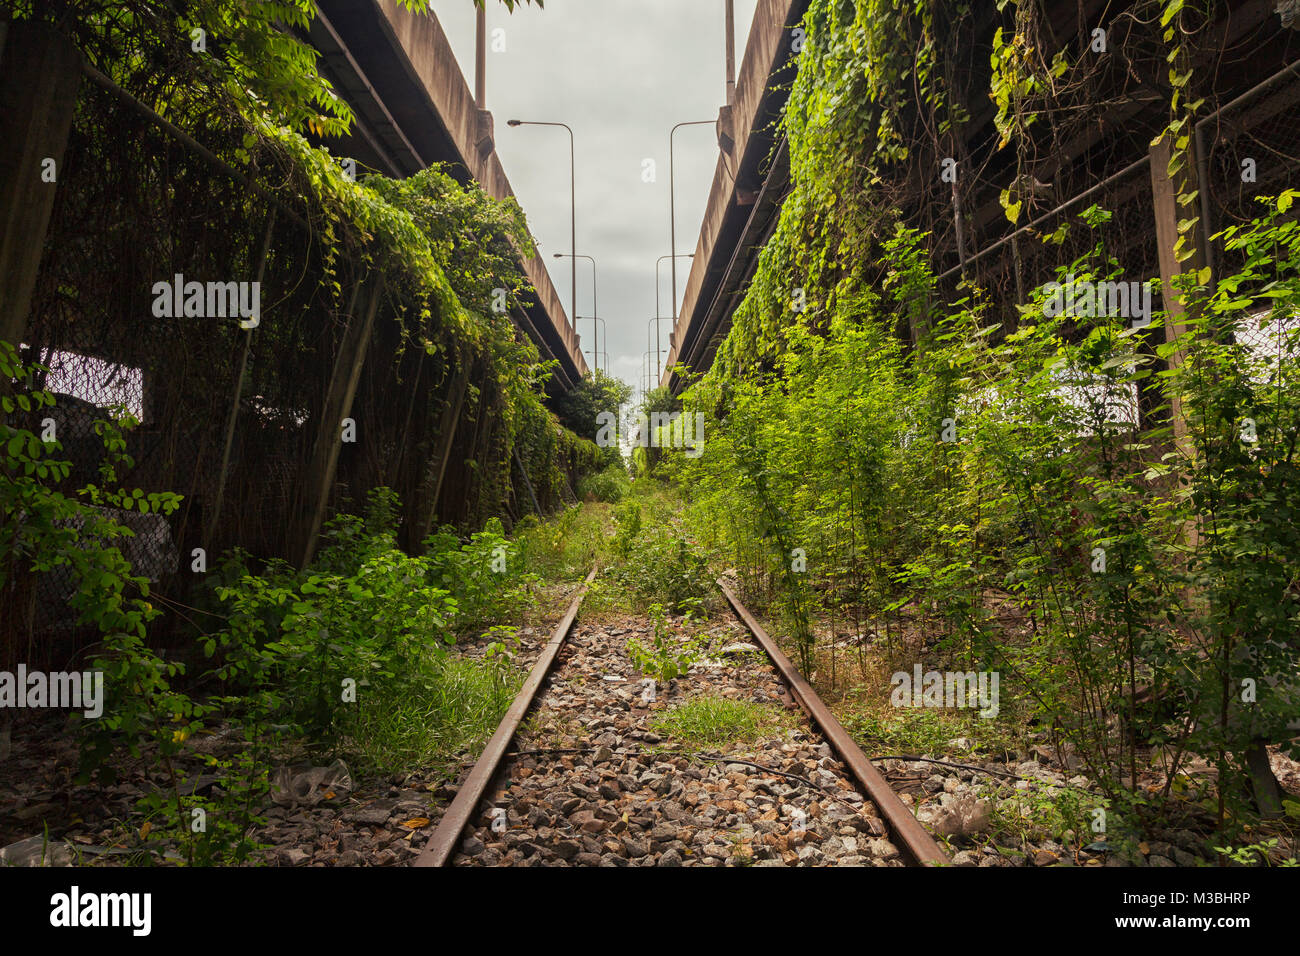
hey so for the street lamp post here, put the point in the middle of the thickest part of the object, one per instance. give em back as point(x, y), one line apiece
point(652, 383)
point(672, 201)
point(602, 337)
point(595, 309)
point(731, 51)
point(573, 192)
point(480, 58)
point(659, 315)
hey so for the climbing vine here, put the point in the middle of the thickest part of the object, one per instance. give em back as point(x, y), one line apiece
point(890, 451)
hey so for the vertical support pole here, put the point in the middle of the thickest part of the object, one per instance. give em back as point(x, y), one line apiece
point(1207, 205)
point(447, 427)
point(528, 482)
point(39, 75)
point(1264, 785)
point(1164, 192)
point(1019, 264)
point(918, 325)
point(323, 466)
point(573, 230)
point(731, 53)
point(480, 59)
point(405, 434)
point(958, 225)
point(473, 454)
point(238, 389)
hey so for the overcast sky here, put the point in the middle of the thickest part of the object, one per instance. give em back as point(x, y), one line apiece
point(622, 73)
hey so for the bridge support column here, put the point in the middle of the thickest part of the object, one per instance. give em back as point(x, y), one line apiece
point(1264, 785)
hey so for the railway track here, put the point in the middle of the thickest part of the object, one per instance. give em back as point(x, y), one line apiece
point(577, 774)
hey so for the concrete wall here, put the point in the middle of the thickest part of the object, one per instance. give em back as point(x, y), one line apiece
point(737, 176)
point(432, 63)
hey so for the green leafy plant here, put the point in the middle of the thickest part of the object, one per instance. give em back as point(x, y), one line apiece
point(1260, 853)
point(500, 653)
point(666, 656)
point(609, 485)
point(661, 564)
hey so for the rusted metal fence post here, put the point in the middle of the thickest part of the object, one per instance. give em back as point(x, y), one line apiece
point(447, 426)
point(215, 520)
point(323, 465)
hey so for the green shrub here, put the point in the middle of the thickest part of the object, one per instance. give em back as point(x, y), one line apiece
point(667, 655)
point(566, 547)
point(665, 567)
point(485, 575)
point(609, 485)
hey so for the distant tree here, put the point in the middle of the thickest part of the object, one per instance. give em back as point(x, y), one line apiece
point(598, 392)
point(659, 400)
point(645, 458)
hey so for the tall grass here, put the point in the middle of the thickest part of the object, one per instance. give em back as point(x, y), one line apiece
point(433, 722)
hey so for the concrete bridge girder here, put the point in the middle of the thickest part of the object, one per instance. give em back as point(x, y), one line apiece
point(413, 107)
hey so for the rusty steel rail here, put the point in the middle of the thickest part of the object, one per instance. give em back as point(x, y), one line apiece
point(917, 844)
point(442, 843)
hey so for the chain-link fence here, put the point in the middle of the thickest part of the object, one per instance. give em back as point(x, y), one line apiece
point(1250, 148)
point(1123, 239)
point(276, 368)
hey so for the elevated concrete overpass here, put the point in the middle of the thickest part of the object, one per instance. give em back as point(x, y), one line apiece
point(749, 185)
point(413, 108)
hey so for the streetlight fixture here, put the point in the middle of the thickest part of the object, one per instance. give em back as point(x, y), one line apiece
point(595, 310)
point(672, 201)
point(573, 191)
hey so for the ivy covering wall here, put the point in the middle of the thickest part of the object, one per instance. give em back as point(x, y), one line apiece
point(196, 149)
point(960, 474)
